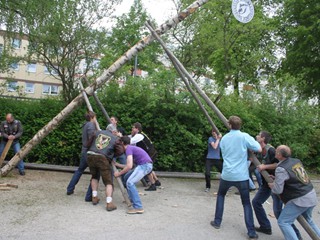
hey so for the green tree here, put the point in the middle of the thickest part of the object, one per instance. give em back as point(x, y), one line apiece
point(129, 29)
point(235, 52)
point(60, 34)
point(300, 32)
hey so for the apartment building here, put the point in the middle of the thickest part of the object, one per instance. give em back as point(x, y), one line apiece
point(27, 79)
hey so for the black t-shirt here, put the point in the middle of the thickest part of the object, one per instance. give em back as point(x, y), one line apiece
point(268, 158)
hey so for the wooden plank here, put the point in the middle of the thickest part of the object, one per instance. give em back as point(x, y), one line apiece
point(5, 151)
point(8, 185)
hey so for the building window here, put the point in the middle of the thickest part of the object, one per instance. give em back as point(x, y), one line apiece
point(29, 88)
point(50, 89)
point(12, 86)
point(14, 66)
point(52, 71)
point(31, 67)
point(16, 43)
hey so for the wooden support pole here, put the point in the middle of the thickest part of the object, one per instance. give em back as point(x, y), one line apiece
point(100, 105)
point(102, 79)
point(123, 191)
point(205, 112)
point(255, 161)
point(5, 151)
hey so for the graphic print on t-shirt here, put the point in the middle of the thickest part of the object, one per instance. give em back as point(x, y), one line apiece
point(102, 141)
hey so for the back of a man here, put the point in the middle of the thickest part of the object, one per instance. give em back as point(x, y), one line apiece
point(234, 147)
point(100, 155)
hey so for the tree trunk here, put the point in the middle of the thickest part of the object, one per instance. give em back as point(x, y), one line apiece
point(106, 75)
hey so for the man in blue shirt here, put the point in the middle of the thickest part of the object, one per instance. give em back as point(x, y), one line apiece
point(213, 157)
point(234, 148)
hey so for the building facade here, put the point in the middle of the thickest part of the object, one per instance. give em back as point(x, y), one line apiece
point(27, 79)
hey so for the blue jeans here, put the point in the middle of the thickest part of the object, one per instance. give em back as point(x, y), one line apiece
point(258, 177)
point(139, 172)
point(277, 208)
point(251, 185)
point(78, 173)
point(289, 214)
point(243, 187)
point(261, 196)
point(16, 148)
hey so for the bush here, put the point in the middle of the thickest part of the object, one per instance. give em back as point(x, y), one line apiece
point(173, 122)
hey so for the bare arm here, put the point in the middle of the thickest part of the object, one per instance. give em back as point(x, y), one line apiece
point(126, 168)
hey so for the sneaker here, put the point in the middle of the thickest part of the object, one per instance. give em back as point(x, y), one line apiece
point(207, 190)
point(70, 193)
point(254, 237)
point(22, 173)
point(213, 224)
point(267, 231)
point(135, 211)
point(157, 183)
point(110, 207)
point(95, 200)
point(151, 188)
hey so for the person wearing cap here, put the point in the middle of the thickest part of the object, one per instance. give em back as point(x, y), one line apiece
point(139, 157)
point(295, 189)
point(11, 129)
point(100, 155)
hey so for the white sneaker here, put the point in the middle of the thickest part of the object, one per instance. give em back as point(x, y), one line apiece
point(207, 190)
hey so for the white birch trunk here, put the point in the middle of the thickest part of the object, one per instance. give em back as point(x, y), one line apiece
point(106, 75)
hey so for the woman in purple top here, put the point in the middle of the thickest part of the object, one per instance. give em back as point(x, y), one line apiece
point(143, 162)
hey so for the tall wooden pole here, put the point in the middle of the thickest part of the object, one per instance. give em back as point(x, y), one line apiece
point(5, 151)
point(205, 112)
point(255, 161)
point(104, 77)
point(123, 191)
point(100, 105)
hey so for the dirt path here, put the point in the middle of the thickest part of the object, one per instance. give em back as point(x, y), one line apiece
point(40, 209)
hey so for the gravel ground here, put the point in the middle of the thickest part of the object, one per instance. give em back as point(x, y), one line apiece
point(40, 209)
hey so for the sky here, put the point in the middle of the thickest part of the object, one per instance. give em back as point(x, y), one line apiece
point(160, 10)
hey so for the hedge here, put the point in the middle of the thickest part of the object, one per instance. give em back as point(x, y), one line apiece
point(173, 121)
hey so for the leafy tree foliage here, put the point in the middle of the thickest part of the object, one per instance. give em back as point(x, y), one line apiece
point(300, 33)
point(127, 31)
point(60, 34)
point(235, 52)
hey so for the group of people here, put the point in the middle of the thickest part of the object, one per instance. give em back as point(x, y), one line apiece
point(290, 186)
point(101, 149)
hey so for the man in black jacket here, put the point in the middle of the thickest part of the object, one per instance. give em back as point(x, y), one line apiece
point(11, 129)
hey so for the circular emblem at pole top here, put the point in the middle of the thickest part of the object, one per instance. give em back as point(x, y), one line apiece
point(242, 10)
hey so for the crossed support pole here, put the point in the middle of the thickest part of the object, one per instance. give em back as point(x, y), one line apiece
point(184, 74)
point(123, 191)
